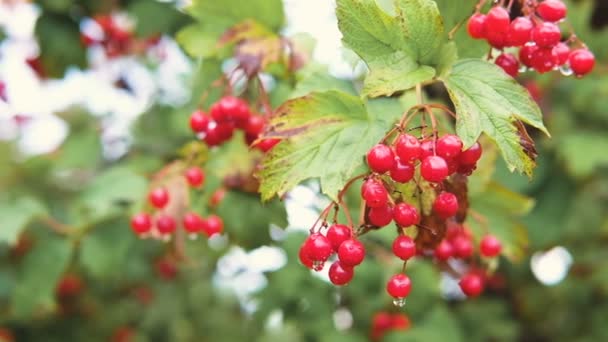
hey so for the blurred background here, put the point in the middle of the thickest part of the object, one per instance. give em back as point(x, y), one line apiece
point(87, 121)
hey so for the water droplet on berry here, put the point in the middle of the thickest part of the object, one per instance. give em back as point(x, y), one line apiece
point(399, 302)
point(318, 265)
point(566, 70)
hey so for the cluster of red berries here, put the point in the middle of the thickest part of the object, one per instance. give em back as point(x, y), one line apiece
point(225, 116)
point(164, 224)
point(384, 322)
point(538, 36)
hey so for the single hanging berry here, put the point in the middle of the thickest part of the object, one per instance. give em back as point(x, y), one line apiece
point(304, 257)
point(141, 223)
point(582, 61)
point(374, 193)
point(471, 155)
point(159, 197)
point(404, 247)
point(427, 148)
point(318, 248)
point(213, 225)
point(165, 224)
point(434, 169)
point(444, 250)
point(406, 215)
point(448, 146)
point(199, 121)
point(552, 10)
point(476, 26)
point(193, 223)
point(544, 60)
point(340, 274)
point(526, 55)
point(463, 247)
point(497, 20)
point(508, 63)
point(520, 31)
point(472, 284)
point(407, 148)
point(402, 172)
point(562, 51)
point(338, 233)
point(399, 287)
point(445, 205)
point(380, 158)
point(380, 216)
point(195, 176)
point(546, 35)
point(351, 253)
point(490, 246)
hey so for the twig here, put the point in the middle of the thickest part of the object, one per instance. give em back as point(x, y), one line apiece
point(56, 226)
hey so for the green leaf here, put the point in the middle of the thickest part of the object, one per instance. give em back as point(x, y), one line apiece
point(595, 156)
point(38, 276)
point(166, 17)
point(111, 236)
point(60, 47)
point(488, 100)
point(325, 136)
point(321, 80)
point(400, 51)
point(15, 215)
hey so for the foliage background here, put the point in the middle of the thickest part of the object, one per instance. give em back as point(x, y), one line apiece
point(211, 299)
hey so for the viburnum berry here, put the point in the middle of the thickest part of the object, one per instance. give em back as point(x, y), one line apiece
point(195, 176)
point(463, 247)
point(582, 61)
point(402, 172)
point(508, 63)
point(399, 286)
point(407, 148)
point(445, 205)
point(266, 145)
point(546, 34)
point(380, 158)
point(255, 125)
point(374, 193)
point(476, 26)
point(552, 10)
point(351, 253)
point(526, 55)
point(404, 247)
point(520, 31)
point(318, 247)
point(490, 246)
point(400, 322)
point(380, 216)
point(381, 323)
point(159, 197)
point(434, 169)
point(562, 51)
point(340, 274)
point(405, 215)
point(448, 146)
point(166, 268)
point(544, 60)
point(497, 20)
point(444, 250)
point(141, 223)
point(70, 285)
point(471, 155)
point(338, 233)
point(165, 224)
point(472, 284)
point(193, 223)
point(497, 39)
point(199, 121)
point(213, 225)
point(304, 257)
point(427, 148)
point(213, 136)
point(225, 130)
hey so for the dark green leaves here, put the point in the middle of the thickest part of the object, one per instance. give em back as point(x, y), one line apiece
point(488, 100)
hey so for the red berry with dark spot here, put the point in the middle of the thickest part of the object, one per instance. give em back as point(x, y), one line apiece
point(444, 250)
point(562, 51)
point(490, 246)
point(159, 197)
point(434, 169)
point(351, 253)
point(472, 284)
point(546, 34)
point(193, 223)
point(463, 247)
point(497, 20)
point(399, 286)
point(380, 158)
point(407, 148)
point(552, 10)
point(338, 233)
point(544, 60)
point(340, 274)
point(199, 121)
point(449, 146)
point(195, 176)
point(318, 247)
point(471, 155)
point(406, 215)
point(476, 26)
point(374, 193)
point(213, 225)
point(508, 63)
point(582, 61)
point(402, 172)
point(165, 224)
point(380, 216)
point(520, 31)
point(404, 247)
point(141, 223)
point(445, 205)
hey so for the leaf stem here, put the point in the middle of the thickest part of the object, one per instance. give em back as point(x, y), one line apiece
point(264, 97)
point(56, 226)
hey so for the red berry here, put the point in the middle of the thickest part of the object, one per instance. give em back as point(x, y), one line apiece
point(407, 147)
point(400, 322)
point(427, 148)
point(199, 121)
point(241, 114)
point(434, 169)
point(374, 193)
point(445, 205)
point(165, 224)
point(225, 130)
point(399, 286)
point(463, 247)
point(476, 26)
point(404, 247)
point(402, 172)
point(226, 109)
point(562, 51)
point(195, 176)
point(266, 145)
point(546, 34)
point(508, 63)
point(304, 258)
point(406, 215)
point(582, 61)
point(520, 31)
point(471, 155)
point(497, 20)
point(526, 55)
point(444, 250)
point(552, 10)
point(318, 247)
point(193, 223)
point(141, 223)
point(472, 284)
point(213, 136)
point(490, 246)
point(340, 274)
point(544, 60)
point(497, 39)
point(380, 158)
point(166, 268)
point(381, 323)
point(351, 253)
point(380, 216)
point(213, 225)
point(159, 197)
point(69, 285)
point(338, 233)
point(449, 146)
point(255, 125)
point(217, 197)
